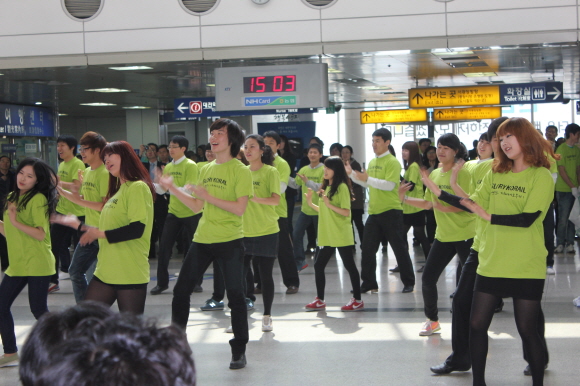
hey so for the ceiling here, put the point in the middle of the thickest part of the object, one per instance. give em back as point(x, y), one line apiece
point(358, 80)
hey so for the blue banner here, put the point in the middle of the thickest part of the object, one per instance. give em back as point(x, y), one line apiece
point(9, 148)
point(26, 121)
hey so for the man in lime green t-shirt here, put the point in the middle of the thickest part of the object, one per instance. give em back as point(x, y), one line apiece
point(385, 214)
point(223, 191)
point(179, 218)
point(567, 188)
point(68, 179)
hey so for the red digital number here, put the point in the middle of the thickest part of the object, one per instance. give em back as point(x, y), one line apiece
point(278, 82)
point(290, 83)
point(260, 82)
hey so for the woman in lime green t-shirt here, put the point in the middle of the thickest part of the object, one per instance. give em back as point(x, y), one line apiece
point(124, 232)
point(334, 231)
point(260, 221)
point(26, 227)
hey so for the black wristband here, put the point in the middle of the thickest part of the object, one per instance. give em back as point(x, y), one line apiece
point(80, 226)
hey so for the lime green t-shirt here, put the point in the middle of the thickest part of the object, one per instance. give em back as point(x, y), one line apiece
point(470, 165)
point(126, 262)
point(184, 173)
point(389, 169)
point(454, 226)
point(412, 174)
point(201, 164)
point(284, 171)
point(570, 159)
point(514, 252)
point(315, 175)
point(228, 181)
point(94, 188)
point(260, 219)
point(28, 256)
point(69, 172)
point(477, 174)
point(335, 230)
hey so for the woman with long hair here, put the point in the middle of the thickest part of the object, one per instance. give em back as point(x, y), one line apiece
point(357, 207)
point(334, 231)
point(26, 227)
point(124, 232)
point(455, 228)
point(429, 158)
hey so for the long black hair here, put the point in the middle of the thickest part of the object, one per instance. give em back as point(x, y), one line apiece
point(268, 155)
point(335, 164)
point(452, 141)
point(46, 181)
point(414, 155)
point(426, 159)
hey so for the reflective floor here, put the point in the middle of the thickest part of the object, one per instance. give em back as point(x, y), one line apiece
point(380, 346)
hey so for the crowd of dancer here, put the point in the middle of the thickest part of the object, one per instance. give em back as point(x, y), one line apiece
point(234, 209)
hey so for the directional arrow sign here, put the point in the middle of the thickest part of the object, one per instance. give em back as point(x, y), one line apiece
point(467, 114)
point(454, 96)
point(182, 107)
point(526, 93)
point(393, 116)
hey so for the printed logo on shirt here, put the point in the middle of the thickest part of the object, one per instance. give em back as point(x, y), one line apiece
point(256, 183)
point(175, 173)
point(374, 167)
point(111, 203)
point(516, 188)
point(215, 182)
point(89, 184)
point(445, 187)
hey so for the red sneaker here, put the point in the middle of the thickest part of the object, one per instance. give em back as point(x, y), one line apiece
point(316, 305)
point(354, 305)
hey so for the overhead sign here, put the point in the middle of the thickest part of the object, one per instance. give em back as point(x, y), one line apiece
point(393, 116)
point(467, 114)
point(22, 121)
point(503, 94)
point(9, 148)
point(192, 108)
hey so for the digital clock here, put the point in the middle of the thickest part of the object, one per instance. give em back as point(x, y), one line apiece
point(276, 83)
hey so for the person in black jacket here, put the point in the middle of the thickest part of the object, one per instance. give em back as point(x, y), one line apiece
point(7, 180)
point(160, 206)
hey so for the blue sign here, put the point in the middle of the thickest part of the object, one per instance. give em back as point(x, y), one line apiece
point(23, 121)
point(526, 93)
point(185, 109)
point(9, 148)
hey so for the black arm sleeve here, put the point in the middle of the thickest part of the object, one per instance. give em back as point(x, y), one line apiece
point(128, 232)
point(522, 220)
point(453, 200)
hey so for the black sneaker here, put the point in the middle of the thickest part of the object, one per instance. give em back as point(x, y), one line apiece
point(238, 363)
point(157, 290)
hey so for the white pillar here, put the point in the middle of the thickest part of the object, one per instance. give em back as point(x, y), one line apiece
point(355, 134)
point(142, 127)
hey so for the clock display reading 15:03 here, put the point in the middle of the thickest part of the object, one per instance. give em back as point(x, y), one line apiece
point(278, 83)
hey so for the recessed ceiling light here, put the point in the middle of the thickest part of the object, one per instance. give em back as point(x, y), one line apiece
point(451, 53)
point(479, 74)
point(37, 103)
point(98, 104)
point(107, 90)
point(131, 68)
point(136, 107)
point(333, 71)
point(375, 87)
point(1, 74)
point(210, 85)
point(62, 115)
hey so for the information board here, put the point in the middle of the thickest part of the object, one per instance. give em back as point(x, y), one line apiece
point(467, 114)
point(393, 116)
point(26, 121)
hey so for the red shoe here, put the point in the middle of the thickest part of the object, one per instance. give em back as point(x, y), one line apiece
point(316, 305)
point(353, 305)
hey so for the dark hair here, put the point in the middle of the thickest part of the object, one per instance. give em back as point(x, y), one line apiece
point(392, 150)
point(425, 140)
point(114, 350)
point(414, 155)
point(475, 142)
point(5, 156)
point(571, 128)
point(315, 146)
point(153, 144)
point(190, 154)
point(349, 149)
point(493, 126)
point(335, 164)
point(93, 140)
point(483, 137)
point(206, 147)
point(164, 146)
point(337, 146)
point(236, 136)
point(46, 181)
point(132, 169)
point(180, 140)
point(552, 127)
point(426, 160)
point(272, 134)
point(319, 142)
point(268, 155)
point(451, 141)
point(242, 157)
point(385, 134)
point(70, 141)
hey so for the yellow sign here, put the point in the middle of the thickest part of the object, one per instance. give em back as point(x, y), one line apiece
point(470, 113)
point(454, 96)
point(393, 116)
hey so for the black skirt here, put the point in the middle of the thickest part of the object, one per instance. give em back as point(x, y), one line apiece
point(264, 246)
point(526, 289)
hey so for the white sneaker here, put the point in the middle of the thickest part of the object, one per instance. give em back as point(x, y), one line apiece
point(550, 271)
point(230, 330)
point(559, 249)
point(267, 323)
point(570, 248)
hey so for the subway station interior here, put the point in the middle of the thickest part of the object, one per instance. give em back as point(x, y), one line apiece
point(124, 69)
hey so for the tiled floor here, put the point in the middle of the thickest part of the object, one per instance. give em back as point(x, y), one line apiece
point(379, 346)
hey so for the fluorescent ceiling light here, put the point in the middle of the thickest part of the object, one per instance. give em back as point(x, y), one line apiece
point(479, 74)
point(392, 53)
point(210, 85)
point(375, 88)
point(107, 90)
point(131, 68)
point(62, 115)
point(37, 103)
point(333, 71)
point(136, 107)
point(451, 53)
point(98, 104)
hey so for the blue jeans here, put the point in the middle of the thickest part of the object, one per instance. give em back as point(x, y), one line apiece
point(82, 267)
point(10, 288)
point(302, 223)
point(565, 229)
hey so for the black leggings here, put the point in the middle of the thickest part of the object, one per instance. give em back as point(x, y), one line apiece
point(527, 317)
point(265, 266)
point(357, 220)
point(322, 258)
point(129, 299)
point(417, 221)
